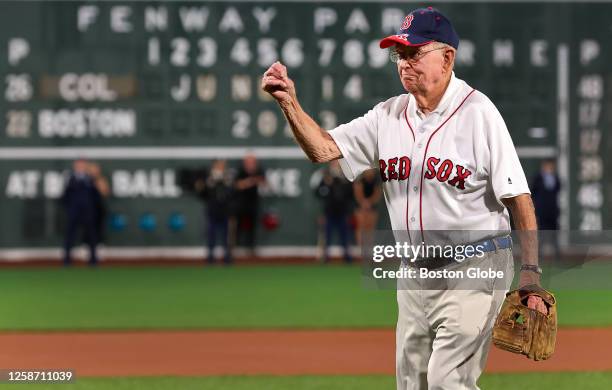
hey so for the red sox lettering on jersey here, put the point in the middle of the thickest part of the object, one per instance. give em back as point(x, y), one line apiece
point(398, 168)
point(448, 169)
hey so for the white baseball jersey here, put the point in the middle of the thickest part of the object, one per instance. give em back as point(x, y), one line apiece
point(447, 170)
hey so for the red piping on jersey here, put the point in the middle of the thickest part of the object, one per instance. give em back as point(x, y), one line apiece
point(425, 158)
point(408, 181)
point(406, 116)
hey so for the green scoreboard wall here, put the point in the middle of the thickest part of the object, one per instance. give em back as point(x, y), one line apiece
point(151, 89)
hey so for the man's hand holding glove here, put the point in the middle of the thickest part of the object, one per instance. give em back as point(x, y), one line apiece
point(527, 322)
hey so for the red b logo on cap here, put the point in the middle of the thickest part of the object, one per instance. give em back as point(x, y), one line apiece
point(407, 22)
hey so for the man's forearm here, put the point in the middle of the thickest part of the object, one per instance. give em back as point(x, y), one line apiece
point(523, 215)
point(316, 142)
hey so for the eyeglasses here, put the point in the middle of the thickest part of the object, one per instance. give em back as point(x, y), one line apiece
point(396, 56)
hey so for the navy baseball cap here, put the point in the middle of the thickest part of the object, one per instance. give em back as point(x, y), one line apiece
point(423, 26)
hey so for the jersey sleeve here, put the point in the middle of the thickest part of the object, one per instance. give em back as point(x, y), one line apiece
point(357, 141)
point(505, 171)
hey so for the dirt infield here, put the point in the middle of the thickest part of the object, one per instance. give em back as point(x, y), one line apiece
point(275, 352)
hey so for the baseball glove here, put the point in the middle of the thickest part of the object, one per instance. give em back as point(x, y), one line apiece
point(519, 329)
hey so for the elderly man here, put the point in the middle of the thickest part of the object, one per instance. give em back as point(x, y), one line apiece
point(447, 162)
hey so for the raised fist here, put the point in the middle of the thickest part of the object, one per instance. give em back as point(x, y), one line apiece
point(276, 82)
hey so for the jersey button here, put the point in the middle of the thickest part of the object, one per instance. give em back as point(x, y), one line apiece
point(412, 219)
point(415, 188)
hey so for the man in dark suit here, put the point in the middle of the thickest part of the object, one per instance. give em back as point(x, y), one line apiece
point(545, 193)
point(217, 190)
point(336, 194)
point(250, 177)
point(80, 200)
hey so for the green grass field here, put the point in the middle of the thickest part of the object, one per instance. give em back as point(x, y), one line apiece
point(248, 297)
point(189, 297)
point(557, 381)
point(219, 297)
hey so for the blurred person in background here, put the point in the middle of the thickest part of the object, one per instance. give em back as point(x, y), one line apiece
point(367, 194)
point(250, 177)
point(80, 200)
point(545, 189)
point(102, 189)
point(336, 194)
point(217, 191)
